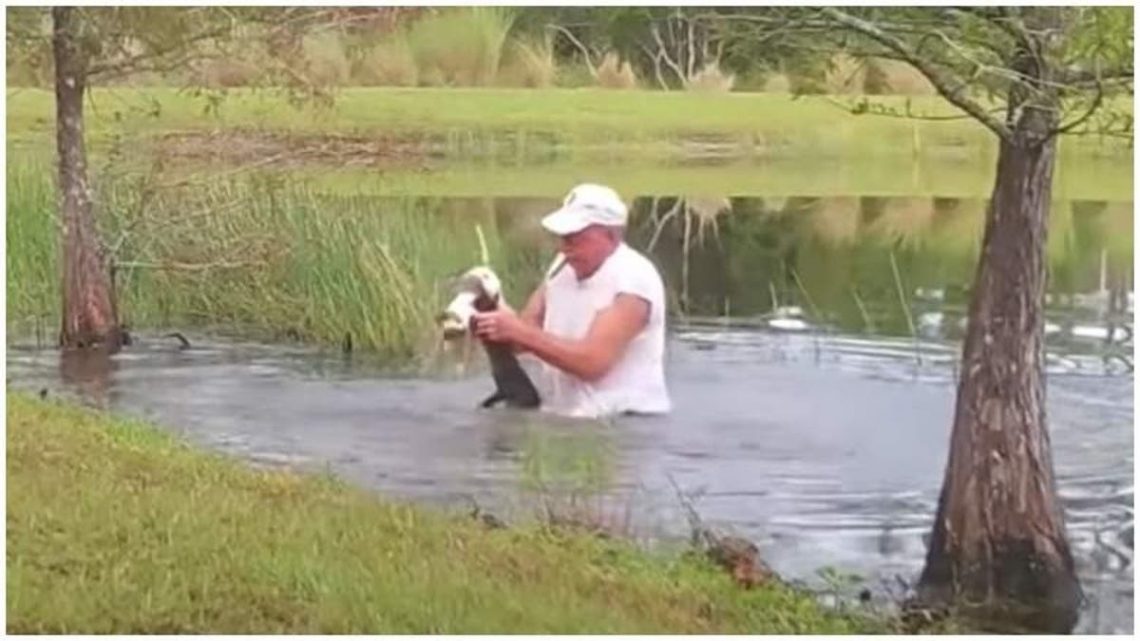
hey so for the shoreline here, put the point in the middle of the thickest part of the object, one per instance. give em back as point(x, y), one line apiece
point(469, 122)
point(201, 542)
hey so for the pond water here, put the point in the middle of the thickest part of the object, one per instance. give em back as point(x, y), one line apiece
point(812, 361)
point(826, 451)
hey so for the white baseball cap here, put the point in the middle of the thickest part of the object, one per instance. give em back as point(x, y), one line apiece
point(585, 205)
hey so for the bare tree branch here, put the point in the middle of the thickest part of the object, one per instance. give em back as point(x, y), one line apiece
point(577, 43)
point(1096, 102)
point(692, 53)
point(954, 93)
point(137, 62)
point(1080, 79)
point(656, 65)
point(865, 106)
point(176, 54)
point(980, 67)
point(159, 63)
point(665, 55)
point(1125, 135)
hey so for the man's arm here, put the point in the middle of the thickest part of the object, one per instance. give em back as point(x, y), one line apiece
point(593, 356)
point(534, 313)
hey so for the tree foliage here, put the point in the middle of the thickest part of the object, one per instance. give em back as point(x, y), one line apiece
point(995, 63)
point(117, 43)
point(670, 44)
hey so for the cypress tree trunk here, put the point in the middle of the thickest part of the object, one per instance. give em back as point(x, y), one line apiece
point(999, 545)
point(89, 317)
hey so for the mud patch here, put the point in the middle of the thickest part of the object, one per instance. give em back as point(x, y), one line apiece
point(283, 149)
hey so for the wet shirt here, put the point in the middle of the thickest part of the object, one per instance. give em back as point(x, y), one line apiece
point(636, 382)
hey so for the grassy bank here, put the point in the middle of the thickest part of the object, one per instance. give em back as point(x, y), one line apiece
point(617, 123)
point(114, 527)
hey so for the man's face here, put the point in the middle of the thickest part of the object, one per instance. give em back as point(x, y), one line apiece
point(585, 251)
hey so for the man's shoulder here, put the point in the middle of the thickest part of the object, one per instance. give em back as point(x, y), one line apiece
point(627, 254)
point(632, 259)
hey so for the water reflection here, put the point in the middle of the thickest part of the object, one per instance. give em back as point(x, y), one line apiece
point(866, 265)
point(91, 372)
point(833, 245)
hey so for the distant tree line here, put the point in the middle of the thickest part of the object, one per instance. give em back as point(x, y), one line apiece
point(621, 47)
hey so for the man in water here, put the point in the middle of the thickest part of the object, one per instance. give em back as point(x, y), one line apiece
point(599, 326)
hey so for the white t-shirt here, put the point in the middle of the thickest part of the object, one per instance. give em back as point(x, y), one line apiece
point(636, 382)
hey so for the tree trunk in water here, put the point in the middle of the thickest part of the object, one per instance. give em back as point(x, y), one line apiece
point(999, 546)
point(89, 315)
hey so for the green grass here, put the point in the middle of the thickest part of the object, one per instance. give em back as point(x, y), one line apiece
point(115, 527)
point(616, 123)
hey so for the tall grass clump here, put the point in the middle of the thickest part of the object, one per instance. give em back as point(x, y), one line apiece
point(282, 260)
point(256, 255)
point(528, 63)
point(325, 59)
point(613, 73)
point(388, 63)
point(711, 78)
point(32, 247)
point(460, 46)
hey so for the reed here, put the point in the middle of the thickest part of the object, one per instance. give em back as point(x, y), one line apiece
point(261, 257)
point(904, 304)
point(868, 324)
point(33, 272)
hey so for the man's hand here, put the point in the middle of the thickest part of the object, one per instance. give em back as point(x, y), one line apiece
point(499, 326)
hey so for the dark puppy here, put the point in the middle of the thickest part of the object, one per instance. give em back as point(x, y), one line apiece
point(479, 290)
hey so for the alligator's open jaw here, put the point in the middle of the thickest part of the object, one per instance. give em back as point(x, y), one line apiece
point(456, 319)
point(453, 328)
